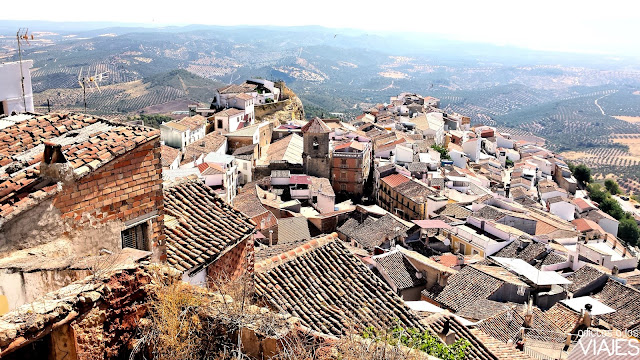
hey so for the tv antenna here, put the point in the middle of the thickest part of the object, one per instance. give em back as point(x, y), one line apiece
point(22, 36)
point(86, 81)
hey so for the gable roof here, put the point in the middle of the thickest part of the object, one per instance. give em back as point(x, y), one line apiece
point(506, 326)
point(210, 169)
point(316, 126)
point(454, 210)
point(287, 149)
point(399, 270)
point(87, 143)
point(329, 289)
point(583, 277)
point(372, 232)
point(465, 287)
point(200, 226)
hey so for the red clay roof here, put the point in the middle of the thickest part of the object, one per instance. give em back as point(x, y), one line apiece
point(394, 180)
point(316, 126)
point(584, 225)
point(87, 143)
point(210, 169)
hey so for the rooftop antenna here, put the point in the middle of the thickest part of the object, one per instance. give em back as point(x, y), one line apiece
point(22, 35)
point(86, 81)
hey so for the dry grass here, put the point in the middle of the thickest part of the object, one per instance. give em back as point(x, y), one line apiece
point(630, 119)
point(632, 143)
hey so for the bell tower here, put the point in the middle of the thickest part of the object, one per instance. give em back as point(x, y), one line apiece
point(316, 157)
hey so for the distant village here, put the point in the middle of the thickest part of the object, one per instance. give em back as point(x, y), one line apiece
point(407, 215)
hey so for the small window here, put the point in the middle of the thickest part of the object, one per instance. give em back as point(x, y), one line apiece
point(343, 187)
point(135, 237)
point(219, 124)
point(315, 143)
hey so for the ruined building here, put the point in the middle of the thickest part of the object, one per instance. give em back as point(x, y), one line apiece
point(73, 186)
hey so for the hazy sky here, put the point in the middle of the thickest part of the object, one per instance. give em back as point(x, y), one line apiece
point(610, 26)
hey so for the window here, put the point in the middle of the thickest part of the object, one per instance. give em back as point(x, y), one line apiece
point(219, 124)
point(135, 237)
point(343, 187)
point(343, 175)
point(315, 143)
point(244, 166)
point(343, 163)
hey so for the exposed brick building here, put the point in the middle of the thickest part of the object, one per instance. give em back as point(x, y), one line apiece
point(206, 237)
point(350, 166)
point(316, 156)
point(73, 185)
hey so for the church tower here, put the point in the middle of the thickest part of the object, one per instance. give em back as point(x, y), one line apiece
point(315, 156)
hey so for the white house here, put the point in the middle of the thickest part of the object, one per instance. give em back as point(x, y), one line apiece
point(229, 120)
point(221, 173)
point(459, 158)
point(11, 97)
point(179, 134)
point(436, 127)
point(243, 102)
point(561, 207)
point(471, 147)
point(323, 199)
point(504, 140)
point(606, 221)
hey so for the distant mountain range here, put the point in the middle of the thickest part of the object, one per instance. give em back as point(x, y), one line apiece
point(552, 95)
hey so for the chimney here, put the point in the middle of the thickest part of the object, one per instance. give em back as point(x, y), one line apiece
point(586, 315)
point(54, 165)
point(53, 153)
point(270, 237)
point(528, 314)
point(447, 335)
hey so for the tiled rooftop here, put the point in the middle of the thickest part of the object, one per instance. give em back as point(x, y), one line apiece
point(400, 270)
point(583, 277)
point(169, 155)
point(199, 225)
point(329, 289)
point(625, 300)
point(211, 142)
point(316, 126)
point(372, 232)
point(466, 287)
point(394, 180)
point(87, 143)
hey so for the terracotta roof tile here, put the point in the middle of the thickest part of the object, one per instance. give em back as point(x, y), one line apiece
point(329, 289)
point(87, 143)
point(394, 180)
point(206, 226)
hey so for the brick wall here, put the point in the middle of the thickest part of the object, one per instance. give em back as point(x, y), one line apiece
point(235, 262)
point(125, 189)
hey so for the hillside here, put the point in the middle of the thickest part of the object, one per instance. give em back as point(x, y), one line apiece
point(175, 88)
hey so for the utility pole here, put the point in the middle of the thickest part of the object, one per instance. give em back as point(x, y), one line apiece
point(22, 34)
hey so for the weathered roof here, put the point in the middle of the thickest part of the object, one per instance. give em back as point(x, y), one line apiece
point(87, 143)
point(482, 309)
point(229, 112)
point(293, 229)
point(394, 180)
point(192, 122)
point(329, 289)
point(322, 185)
point(506, 326)
point(465, 287)
point(316, 126)
point(288, 149)
point(372, 232)
point(525, 250)
point(210, 169)
point(625, 300)
point(415, 191)
point(584, 225)
point(563, 317)
point(212, 142)
point(584, 276)
point(168, 155)
point(400, 270)
point(200, 226)
point(454, 210)
point(234, 88)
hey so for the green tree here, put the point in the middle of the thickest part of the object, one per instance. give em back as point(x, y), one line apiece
point(612, 207)
point(444, 153)
point(628, 231)
point(582, 173)
point(596, 193)
point(508, 163)
point(612, 187)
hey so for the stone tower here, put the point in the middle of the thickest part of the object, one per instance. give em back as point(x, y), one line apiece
point(316, 157)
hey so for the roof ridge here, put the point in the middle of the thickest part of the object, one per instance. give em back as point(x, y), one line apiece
point(307, 247)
